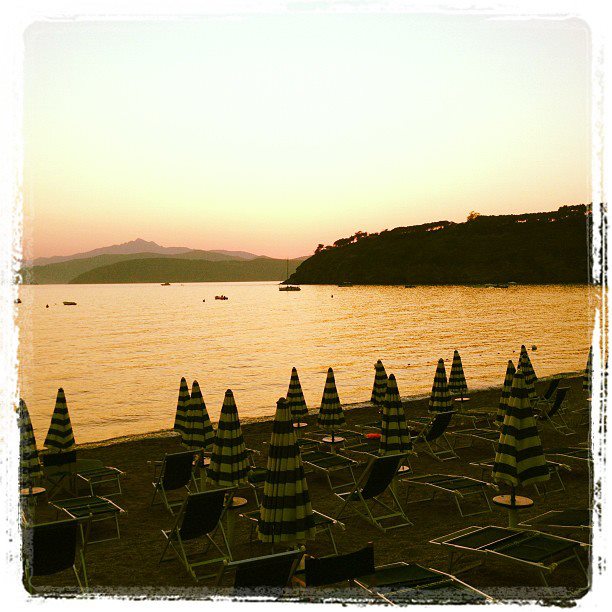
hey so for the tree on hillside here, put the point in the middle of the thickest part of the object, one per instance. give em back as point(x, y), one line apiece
point(473, 215)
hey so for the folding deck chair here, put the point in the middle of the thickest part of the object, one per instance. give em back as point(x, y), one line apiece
point(50, 548)
point(555, 415)
point(173, 473)
point(546, 397)
point(330, 464)
point(433, 435)
point(374, 481)
point(59, 472)
point(322, 524)
point(532, 549)
point(269, 574)
point(571, 519)
point(200, 516)
point(460, 488)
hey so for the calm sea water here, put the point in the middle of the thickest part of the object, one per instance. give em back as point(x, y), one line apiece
point(120, 353)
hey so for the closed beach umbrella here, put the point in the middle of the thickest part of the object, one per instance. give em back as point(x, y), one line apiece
point(60, 437)
point(457, 384)
point(29, 465)
point(528, 372)
point(180, 419)
point(295, 398)
point(331, 415)
point(440, 399)
point(229, 463)
point(588, 373)
point(519, 459)
point(394, 434)
point(198, 431)
point(286, 512)
point(505, 394)
point(379, 389)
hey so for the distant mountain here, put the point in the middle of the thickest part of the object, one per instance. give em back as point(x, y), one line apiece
point(136, 247)
point(549, 247)
point(182, 270)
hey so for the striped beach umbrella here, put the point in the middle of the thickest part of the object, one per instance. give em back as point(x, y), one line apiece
point(440, 399)
point(394, 433)
point(295, 398)
point(198, 432)
point(331, 415)
point(379, 390)
point(457, 384)
point(60, 437)
point(286, 511)
point(505, 394)
point(181, 407)
point(528, 372)
point(519, 459)
point(588, 373)
point(229, 463)
point(29, 464)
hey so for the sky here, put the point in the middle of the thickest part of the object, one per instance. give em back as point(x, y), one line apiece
point(275, 133)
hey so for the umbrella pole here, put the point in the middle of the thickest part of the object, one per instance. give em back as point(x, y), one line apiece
point(512, 511)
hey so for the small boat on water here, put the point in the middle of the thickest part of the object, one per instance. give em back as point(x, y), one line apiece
point(18, 301)
point(345, 284)
point(221, 297)
point(165, 284)
point(289, 288)
point(69, 303)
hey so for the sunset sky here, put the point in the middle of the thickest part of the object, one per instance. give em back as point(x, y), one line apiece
point(274, 133)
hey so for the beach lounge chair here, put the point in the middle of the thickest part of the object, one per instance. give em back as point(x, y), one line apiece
point(546, 397)
point(330, 464)
point(270, 573)
point(539, 551)
point(174, 473)
point(59, 472)
point(459, 488)
point(571, 519)
point(489, 436)
point(555, 415)
point(200, 517)
point(322, 524)
point(432, 434)
point(50, 548)
point(100, 476)
point(88, 510)
point(572, 453)
point(373, 482)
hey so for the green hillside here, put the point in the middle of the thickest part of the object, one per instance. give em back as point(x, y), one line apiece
point(529, 248)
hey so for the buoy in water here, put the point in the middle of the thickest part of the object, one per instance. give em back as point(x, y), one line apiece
point(534, 347)
point(47, 306)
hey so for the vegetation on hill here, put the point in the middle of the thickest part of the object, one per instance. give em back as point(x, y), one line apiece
point(546, 247)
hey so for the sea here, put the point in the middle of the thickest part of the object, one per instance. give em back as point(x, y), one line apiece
point(120, 352)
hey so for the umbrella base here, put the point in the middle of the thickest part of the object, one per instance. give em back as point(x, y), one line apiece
point(520, 503)
point(462, 399)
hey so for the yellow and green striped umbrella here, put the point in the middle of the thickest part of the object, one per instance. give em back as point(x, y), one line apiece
point(331, 415)
point(588, 373)
point(295, 398)
point(198, 432)
point(505, 394)
point(520, 459)
point(229, 464)
point(29, 464)
point(286, 512)
point(60, 437)
point(457, 384)
point(180, 419)
point(394, 433)
point(379, 390)
point(528, 372)
point(440, 399)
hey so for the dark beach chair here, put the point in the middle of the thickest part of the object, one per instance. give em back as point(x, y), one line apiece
point(488, 436)
point(100, 476)
point(374, 481)
point(50, 548)
point(322, 524)
point(59, 472)
point(546, 397)
point(459, 488)
point(257, 480)
point(572, 453)
point(571, 519)
point(433, 435)
point(200, 517)
point(89, 510)
point(174, 473)
point(269, 574)
point(555, 415)
point(539, 551)
point(330, 464)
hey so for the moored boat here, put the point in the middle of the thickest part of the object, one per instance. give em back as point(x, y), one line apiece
point(69, 303)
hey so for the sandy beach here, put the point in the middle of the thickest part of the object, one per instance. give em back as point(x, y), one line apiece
point(129, 566)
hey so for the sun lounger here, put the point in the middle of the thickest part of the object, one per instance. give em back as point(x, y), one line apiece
point(174, 473)
point(572, 453)
point(200, 517)
point(571, 519)
point(459, 488)
point(546, 397)
point(330, 464)
point(539, 551)
point(554, 415)
point(100, 476)
point(50, 548)
point(364, 495)
point(489, 436)
point(432, 434)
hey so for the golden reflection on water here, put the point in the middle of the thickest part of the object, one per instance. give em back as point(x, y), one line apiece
point(120, 353)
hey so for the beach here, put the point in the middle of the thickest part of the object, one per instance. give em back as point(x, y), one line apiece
point(129, 566)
